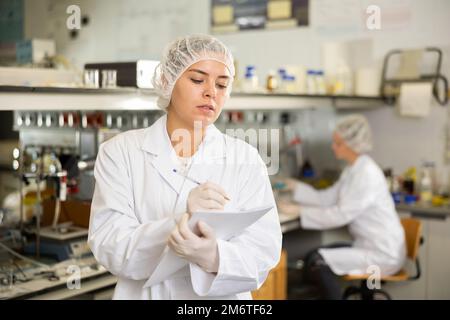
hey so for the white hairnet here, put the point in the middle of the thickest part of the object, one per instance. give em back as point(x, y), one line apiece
point(355, 131)
point(180, 55)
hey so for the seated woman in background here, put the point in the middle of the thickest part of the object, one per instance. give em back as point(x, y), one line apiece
point(361, 200)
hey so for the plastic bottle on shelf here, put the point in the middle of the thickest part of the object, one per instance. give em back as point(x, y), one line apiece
point(320, 82)
point(300, 77)
point(344, 81)
point(426, 183)
point(348, 82)
point(289, 84)
point(307, 172)
point(280, 78)
point(389, 178)
point(311, 87)
point(237, 79)
point(250, 83)
point(272, 82)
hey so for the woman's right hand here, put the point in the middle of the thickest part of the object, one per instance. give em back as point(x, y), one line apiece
point(207, 196)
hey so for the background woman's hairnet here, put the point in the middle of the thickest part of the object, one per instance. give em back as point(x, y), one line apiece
point(355, 131)
point(180, 55)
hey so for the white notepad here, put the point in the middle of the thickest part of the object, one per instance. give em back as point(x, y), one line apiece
point(226, 224)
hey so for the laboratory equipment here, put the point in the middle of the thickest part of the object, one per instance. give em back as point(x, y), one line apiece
point(427, 182)
point(289, 85)
point(251, 82)
point(137, 73)
point(109, 78)
point(311, 85)
point(272, 82)
point(321, 87)
point(91, 78)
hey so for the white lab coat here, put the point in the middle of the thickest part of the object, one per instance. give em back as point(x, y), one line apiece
point(361, 200)
point(133, 213)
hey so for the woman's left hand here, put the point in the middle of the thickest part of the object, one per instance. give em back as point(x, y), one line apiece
point(201, 250)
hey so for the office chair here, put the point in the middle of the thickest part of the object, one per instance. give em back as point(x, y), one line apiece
point(413, 235)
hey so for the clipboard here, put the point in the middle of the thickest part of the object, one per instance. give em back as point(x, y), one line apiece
point(226, 225)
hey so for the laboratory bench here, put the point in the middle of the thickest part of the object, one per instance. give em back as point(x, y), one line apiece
point(97, 283)
point(425, 211)
point(58, 281)
point(292, 222)
point(434, 282)
point(299, 241)
point(289, 222)
point(95, 287)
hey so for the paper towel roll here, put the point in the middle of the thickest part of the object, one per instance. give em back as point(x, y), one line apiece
point(334, 55)
point(415, 99)
point(367, 82)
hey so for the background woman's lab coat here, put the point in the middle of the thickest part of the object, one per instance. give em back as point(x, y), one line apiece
point(362, 200)
point(133, 213)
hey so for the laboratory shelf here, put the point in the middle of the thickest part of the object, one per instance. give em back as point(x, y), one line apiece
point(58, 98)
point(268, 101)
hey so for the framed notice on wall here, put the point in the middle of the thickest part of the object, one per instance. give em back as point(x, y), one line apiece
point(240, 15)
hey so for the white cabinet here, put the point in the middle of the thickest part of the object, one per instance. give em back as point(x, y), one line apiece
point(438, 255)
point(434, 256)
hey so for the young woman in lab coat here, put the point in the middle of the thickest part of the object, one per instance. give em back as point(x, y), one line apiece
point(141, 206)
point(361, 200)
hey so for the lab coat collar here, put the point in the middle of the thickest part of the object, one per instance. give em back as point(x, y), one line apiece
point(156, 141)
point(362, 158)
point(163, 157)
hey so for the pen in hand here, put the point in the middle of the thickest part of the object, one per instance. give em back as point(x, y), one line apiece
point(193, 180)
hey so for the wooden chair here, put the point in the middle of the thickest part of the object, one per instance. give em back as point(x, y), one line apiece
point(275, 287)
point(413, 235)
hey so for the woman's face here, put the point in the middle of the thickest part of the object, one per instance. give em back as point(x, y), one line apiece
point(340, 147)
point(200, 93)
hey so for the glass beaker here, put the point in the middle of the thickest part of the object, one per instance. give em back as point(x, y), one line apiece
point(427, 182)
point(6, 279)
point(109, 78)
point(91, 78)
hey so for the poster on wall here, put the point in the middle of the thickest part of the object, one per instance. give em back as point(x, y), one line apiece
point(241, 15)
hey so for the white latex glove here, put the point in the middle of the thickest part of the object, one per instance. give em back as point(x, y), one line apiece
point(199, 249)
point(207, 196)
